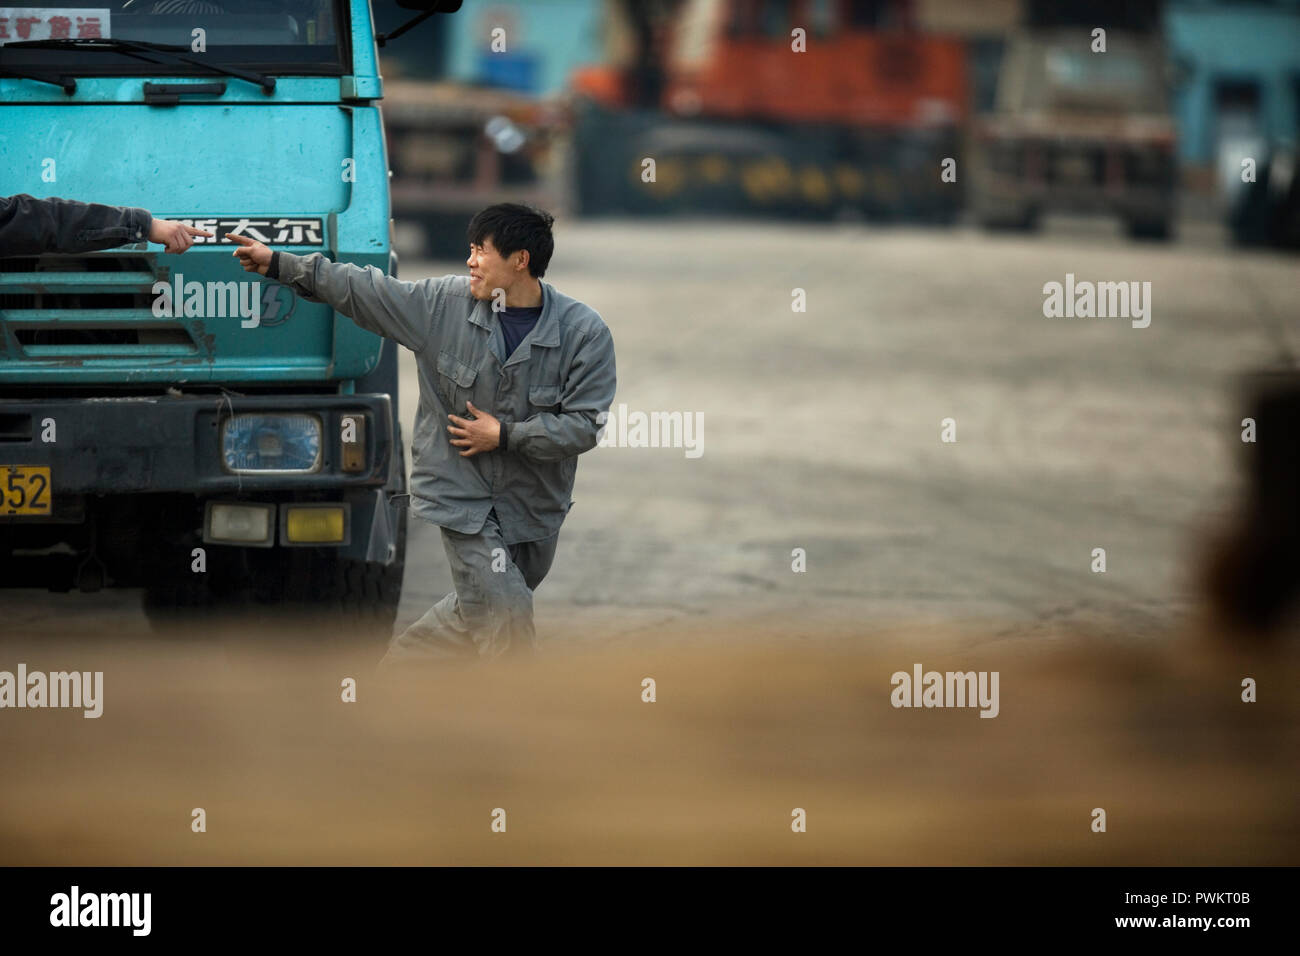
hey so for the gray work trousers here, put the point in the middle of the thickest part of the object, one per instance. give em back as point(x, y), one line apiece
point(490, 612)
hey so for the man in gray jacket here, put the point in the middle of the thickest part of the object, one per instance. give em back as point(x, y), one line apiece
point(515, 381)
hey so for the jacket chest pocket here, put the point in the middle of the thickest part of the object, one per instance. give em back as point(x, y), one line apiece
point(455, 380)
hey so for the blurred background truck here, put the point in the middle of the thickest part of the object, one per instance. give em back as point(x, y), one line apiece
point(562, 101)
point(803, 110)
point(455, 149)
point(578, 94)
point(1078, 130)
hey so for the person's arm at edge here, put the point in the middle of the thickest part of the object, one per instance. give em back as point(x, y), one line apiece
point(31, 226)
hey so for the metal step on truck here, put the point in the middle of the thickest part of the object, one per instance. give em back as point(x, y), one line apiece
point(171, 422)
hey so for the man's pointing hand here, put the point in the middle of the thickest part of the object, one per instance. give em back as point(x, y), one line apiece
point(253, 256)
point(174, 237)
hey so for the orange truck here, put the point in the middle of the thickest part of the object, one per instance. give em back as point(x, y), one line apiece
point(806, 108)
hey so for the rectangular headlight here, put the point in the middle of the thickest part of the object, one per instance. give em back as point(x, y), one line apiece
point(271, 444)
point(243, 523)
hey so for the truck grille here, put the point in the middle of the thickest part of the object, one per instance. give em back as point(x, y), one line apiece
point(1076, 165)
point(97, 306)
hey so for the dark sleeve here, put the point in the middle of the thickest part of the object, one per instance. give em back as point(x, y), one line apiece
point(30, 226)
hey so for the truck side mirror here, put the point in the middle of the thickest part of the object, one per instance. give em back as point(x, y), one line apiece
point(430, 7)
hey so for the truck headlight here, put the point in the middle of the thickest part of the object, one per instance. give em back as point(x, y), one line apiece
point(271, 444)
point(239, 522)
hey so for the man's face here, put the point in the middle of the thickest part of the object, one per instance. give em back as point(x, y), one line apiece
point(488, 271)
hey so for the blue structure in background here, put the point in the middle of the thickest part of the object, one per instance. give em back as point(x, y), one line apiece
point(1241, 74)
point(544, 42)
point(511, 71)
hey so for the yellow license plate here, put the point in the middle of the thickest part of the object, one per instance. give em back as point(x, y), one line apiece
point(25, 490)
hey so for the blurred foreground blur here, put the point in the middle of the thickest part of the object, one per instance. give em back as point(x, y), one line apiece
point(745, 729)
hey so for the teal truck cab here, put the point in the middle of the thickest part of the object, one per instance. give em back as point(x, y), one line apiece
point(171, 422)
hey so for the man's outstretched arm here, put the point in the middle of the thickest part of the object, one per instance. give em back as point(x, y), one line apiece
point(31, 226)
point(394, 308)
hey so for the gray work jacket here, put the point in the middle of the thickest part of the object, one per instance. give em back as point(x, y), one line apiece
point(549, 395)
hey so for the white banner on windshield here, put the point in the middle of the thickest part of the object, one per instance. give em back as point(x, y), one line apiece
point(52, 23)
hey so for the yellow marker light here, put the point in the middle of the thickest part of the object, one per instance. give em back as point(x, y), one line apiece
point(317, 525)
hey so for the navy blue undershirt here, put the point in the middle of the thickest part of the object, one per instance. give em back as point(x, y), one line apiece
point(516, 323)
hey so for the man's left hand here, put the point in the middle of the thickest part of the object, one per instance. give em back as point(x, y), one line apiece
point(480, 433)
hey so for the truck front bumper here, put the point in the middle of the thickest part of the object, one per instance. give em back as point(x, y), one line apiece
point(163, 443)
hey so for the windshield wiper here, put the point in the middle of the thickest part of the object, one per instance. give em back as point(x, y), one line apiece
point(68, 83)
point(137, 49)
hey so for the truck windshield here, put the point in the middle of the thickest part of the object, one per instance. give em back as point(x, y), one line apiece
point(270, 36)
point(1124, 79)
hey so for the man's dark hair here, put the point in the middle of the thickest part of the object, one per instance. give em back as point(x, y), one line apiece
point(513, 226)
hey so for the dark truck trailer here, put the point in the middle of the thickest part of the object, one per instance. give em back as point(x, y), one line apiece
point(861, 122)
